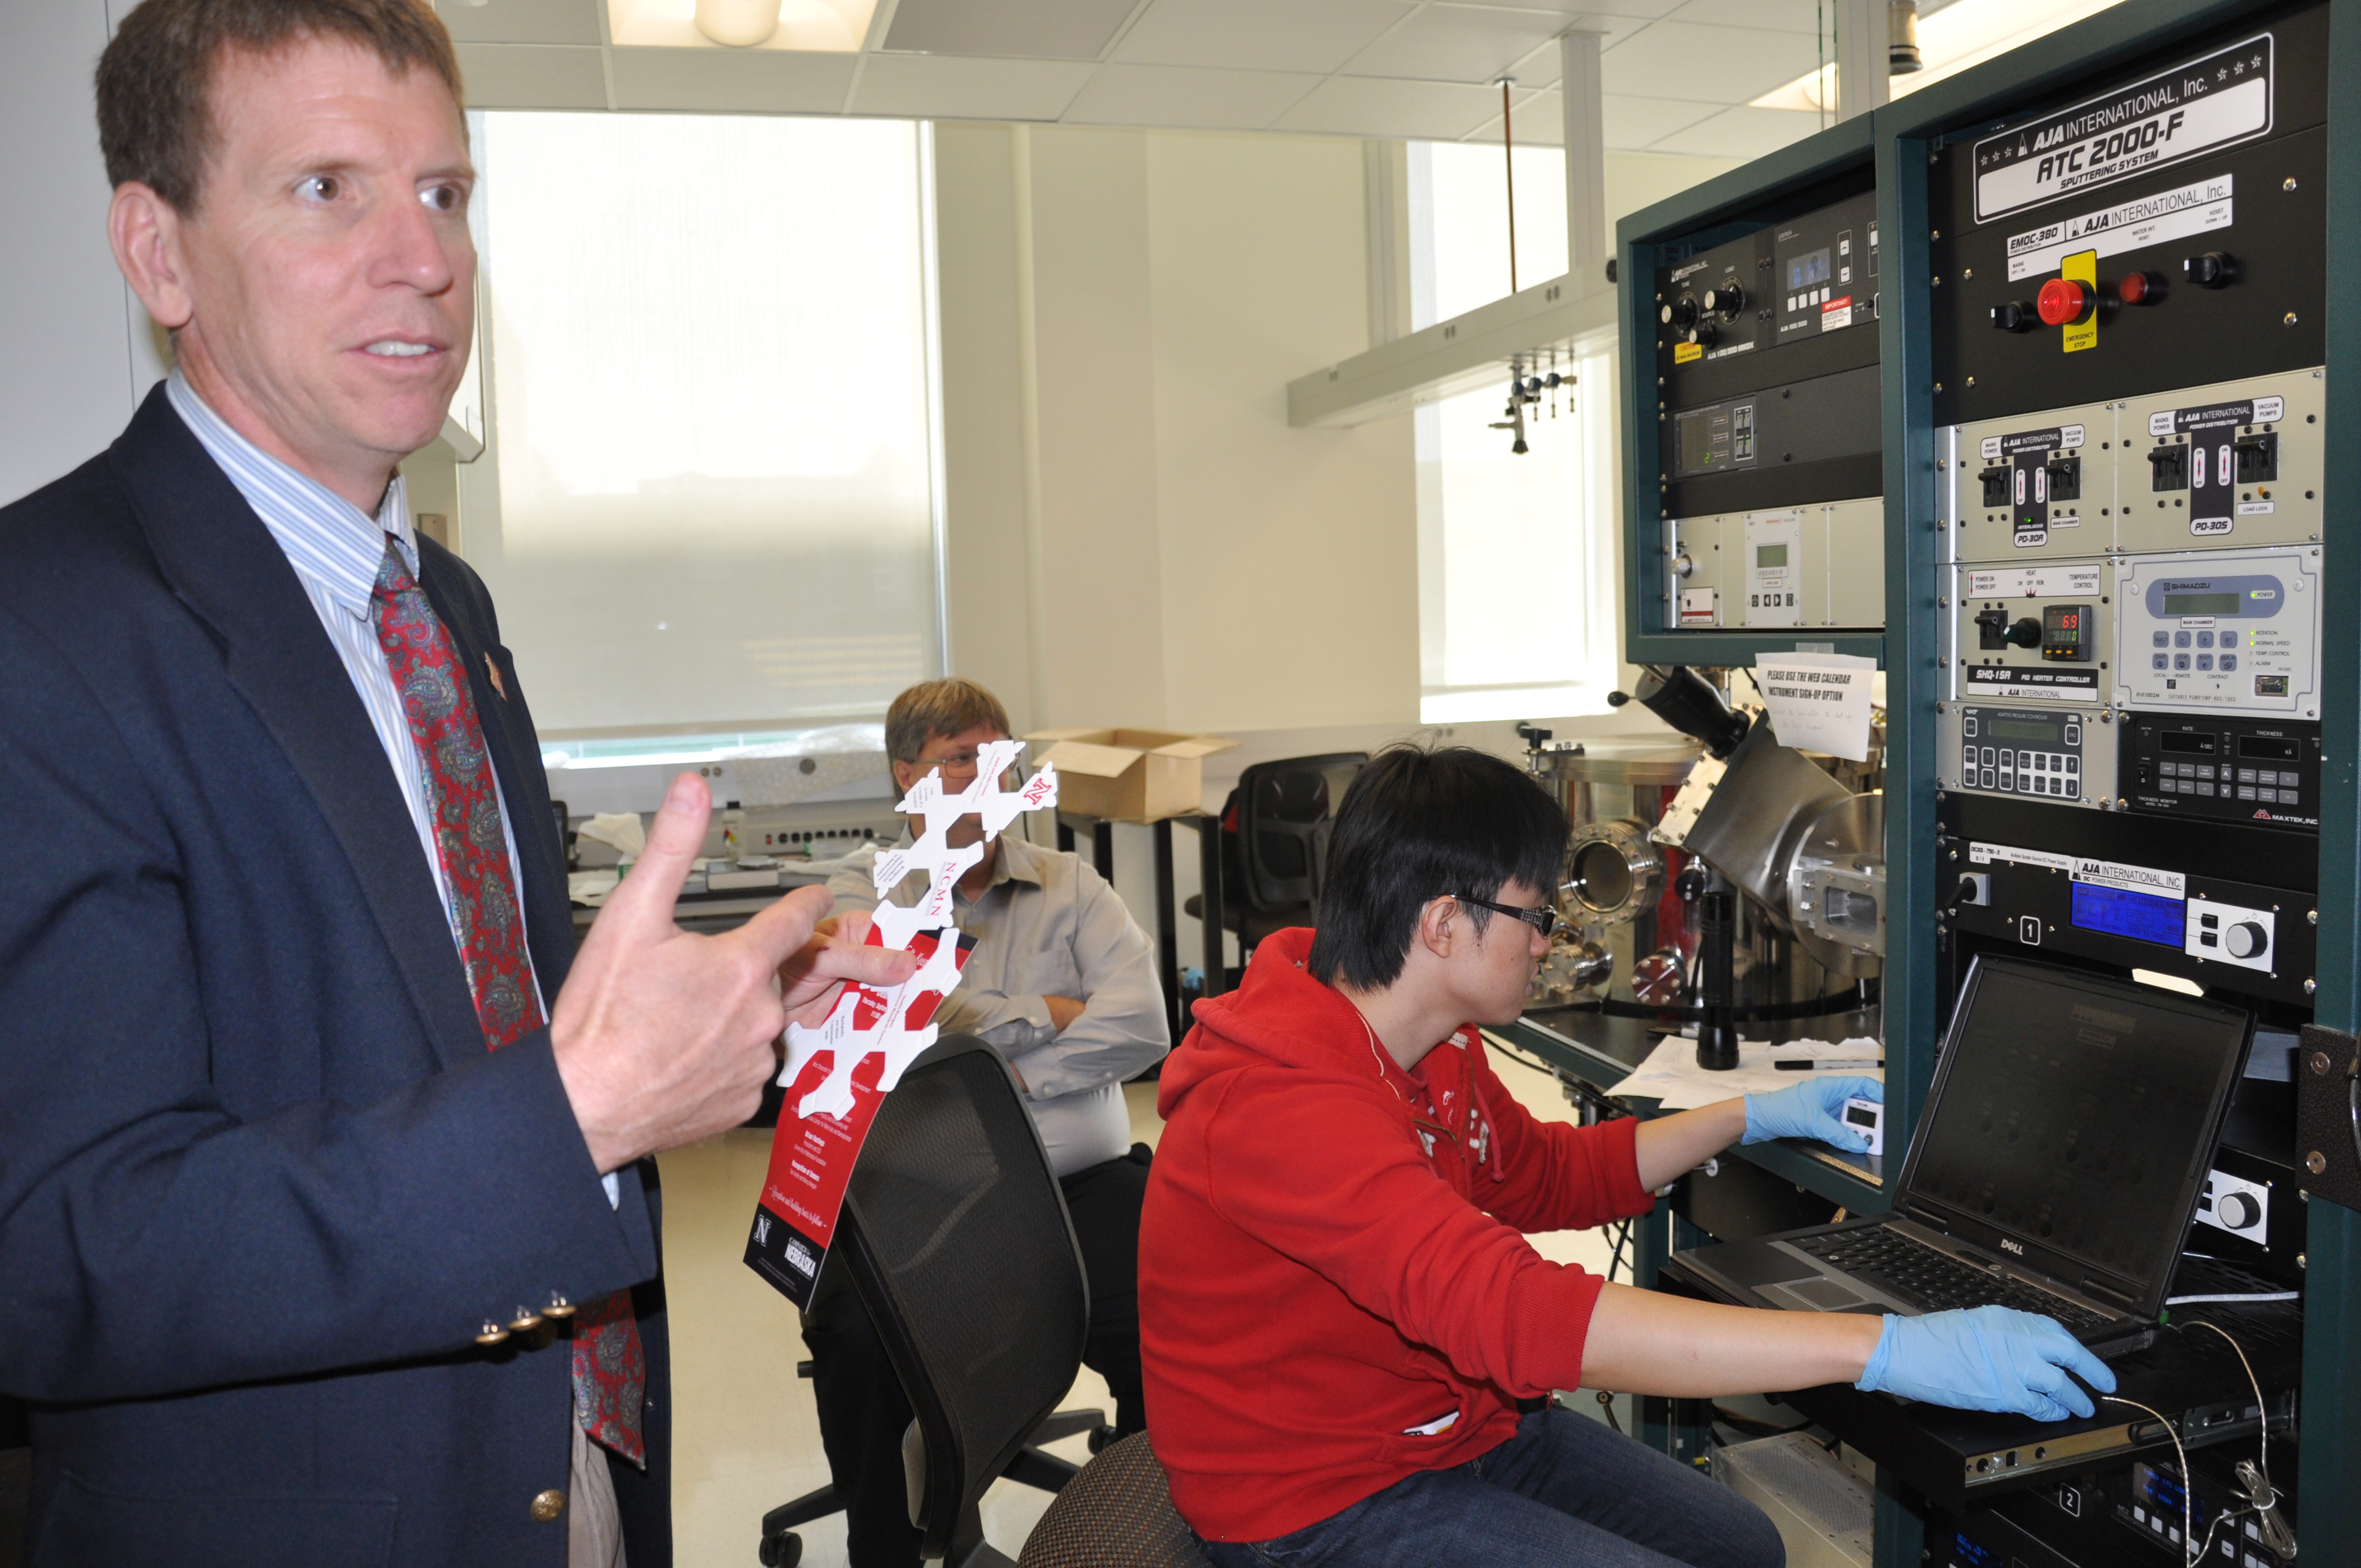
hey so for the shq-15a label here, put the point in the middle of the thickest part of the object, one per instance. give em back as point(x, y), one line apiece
point(2198, 107)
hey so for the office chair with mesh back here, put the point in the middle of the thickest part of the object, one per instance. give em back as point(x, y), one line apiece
point(956, 1235)
point(1274, 829)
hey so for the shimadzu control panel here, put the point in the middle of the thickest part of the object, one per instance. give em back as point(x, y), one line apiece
point(2220, 632)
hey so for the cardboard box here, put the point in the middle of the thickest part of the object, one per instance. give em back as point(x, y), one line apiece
point(1128, 775)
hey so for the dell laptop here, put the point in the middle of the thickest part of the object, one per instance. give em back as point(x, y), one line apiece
point(2071, 1125)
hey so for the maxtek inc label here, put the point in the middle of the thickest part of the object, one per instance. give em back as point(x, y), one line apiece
point(2199, 107)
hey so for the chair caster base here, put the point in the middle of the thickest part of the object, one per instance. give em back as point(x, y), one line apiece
point(783, 1549)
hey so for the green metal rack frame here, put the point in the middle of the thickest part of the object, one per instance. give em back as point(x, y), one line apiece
point(1904, 139)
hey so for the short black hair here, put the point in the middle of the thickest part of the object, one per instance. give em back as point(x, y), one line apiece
point(1416, 825)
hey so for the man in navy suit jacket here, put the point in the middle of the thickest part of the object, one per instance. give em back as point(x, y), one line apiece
point(290, 1261)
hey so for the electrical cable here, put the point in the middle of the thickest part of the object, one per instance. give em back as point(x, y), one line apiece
point(2263, 1422)
point(2187, 1485)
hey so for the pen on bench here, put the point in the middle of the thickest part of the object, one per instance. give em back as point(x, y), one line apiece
point(1847, 1064)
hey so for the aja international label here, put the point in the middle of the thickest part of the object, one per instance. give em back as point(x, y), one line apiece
point(2198, 107)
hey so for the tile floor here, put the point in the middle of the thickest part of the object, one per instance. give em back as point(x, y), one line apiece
point(746, 1438)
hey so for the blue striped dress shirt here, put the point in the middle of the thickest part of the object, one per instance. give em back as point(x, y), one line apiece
point(336, 549)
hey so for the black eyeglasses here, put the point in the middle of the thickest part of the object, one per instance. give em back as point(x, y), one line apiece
point(1544, 919)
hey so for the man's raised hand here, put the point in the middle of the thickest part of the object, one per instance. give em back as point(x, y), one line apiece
point(662, 1037)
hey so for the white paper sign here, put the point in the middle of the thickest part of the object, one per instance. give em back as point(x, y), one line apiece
point(1819, 702)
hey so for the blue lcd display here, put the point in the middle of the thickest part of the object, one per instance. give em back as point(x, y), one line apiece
point(2142, 917)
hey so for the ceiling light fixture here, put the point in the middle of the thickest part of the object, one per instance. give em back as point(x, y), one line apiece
point(1948, 42)
point(741, 24)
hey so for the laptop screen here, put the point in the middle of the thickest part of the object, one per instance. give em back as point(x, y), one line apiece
point(2079, 1114)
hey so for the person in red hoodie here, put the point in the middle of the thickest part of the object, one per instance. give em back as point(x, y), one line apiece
point(1340, 1316)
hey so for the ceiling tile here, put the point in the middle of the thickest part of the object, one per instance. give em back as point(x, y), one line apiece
point(1540, 121)
point(1579, 14)
point(522, 21)
point(1458, 43)
point(1711, 65)
point(1039, 29)
point(1633, 124)
point(1740, 133)
point(532, 76)
point(1779, 16)
point(1257, 35)
point(1191, 97)
point(754, 81)
point(1363, 106)
point(948, 87)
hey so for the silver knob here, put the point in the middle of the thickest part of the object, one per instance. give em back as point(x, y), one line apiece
point(1683, 566)
point(2244, 941)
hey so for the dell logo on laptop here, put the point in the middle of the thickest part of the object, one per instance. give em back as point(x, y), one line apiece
point(2008, 1245)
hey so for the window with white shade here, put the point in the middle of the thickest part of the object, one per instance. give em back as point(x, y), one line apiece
point(1517, 589)
point(713, 499)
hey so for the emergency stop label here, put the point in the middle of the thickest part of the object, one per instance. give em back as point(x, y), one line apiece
point(2198, 107)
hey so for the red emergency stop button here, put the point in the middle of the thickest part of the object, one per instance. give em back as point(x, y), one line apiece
point(2063, 301)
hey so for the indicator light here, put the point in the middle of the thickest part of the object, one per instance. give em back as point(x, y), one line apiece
point(2140, 289)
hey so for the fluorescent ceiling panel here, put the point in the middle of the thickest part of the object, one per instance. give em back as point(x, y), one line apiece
point(1259, 35)
point(1039, 29)
point(823, 26)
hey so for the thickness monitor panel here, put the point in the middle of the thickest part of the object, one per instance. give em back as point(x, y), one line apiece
point(1772, 462)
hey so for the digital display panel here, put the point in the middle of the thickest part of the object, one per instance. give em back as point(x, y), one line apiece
point(2280, 748)
point(1860, 1115)
point(2142, 917)
point(2022, 730)
point(2200, 604)
point(1805, 270)
point(2182, 740)
point(1767, 556)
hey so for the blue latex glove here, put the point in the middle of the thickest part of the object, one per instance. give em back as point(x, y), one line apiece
point(1809, 1110)
point(1986, 1358)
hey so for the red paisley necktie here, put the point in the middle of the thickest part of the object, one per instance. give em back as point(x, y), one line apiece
point(471, 838)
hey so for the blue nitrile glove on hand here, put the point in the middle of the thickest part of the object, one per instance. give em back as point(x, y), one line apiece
point(1986, 1358)
point(1809, 1110)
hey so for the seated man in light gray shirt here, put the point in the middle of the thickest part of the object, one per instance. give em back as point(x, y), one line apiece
point(1062, 982)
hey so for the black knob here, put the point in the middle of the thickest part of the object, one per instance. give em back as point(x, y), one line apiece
point(1690, 884)
point(1681, 312)
point(2014, 316)
point(2025, 633)
point(1725, 300)
point(2211, 271)
point(1617, 700)
point(1532, 735)
point(1967, 892)
point(1702, 334)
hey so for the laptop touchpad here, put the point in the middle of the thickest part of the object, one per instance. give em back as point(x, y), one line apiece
point(1762, 1265)
point(1825, 1294)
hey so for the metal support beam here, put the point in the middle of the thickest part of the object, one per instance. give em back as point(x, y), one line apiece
point(1588, 243)
point(1862, 61)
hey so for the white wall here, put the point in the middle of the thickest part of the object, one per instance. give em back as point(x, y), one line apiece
point(1136, 537)
point(73, 369)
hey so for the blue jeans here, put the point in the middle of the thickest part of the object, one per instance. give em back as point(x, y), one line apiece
point(1564, 1490)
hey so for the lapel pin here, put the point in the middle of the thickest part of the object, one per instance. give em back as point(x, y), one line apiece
point(493, 670)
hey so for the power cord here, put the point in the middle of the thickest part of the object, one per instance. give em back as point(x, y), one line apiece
point(2261, 1496)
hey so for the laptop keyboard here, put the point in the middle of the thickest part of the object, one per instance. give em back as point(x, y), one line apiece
point(1932, 1280)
